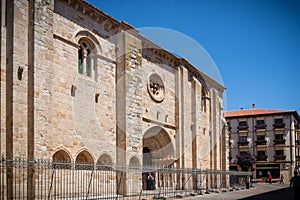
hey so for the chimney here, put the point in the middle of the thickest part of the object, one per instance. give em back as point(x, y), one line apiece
point(253, 106)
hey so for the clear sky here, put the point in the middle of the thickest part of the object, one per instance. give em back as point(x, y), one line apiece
point(255, 44)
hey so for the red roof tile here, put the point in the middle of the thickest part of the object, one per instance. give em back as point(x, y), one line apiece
point(254, 111)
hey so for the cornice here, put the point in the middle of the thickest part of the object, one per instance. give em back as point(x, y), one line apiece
point(110, 23)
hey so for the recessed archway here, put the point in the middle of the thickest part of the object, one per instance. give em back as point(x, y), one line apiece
point(84, 160)
point(61, 156)
point(158, 151)
point(104, 162)
point(134, 162)
point(62, 160)
point(158, 148)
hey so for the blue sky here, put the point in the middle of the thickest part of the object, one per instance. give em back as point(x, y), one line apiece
point(255, 44)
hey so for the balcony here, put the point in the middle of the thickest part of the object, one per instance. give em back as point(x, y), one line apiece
point(260, 126)
point(282, 125)
point(279, 141)
point(261, 158)
point(261, 142)
point(279, 157)
point(243, 143)
point(243, 128)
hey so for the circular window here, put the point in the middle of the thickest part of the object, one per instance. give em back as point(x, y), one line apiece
point(156, 88)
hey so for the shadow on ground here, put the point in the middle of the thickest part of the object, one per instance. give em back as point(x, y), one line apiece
point(281, 194)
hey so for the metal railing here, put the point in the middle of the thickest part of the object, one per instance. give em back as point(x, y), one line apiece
point(45, 179)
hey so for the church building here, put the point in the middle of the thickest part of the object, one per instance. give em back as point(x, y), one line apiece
point(79, 86)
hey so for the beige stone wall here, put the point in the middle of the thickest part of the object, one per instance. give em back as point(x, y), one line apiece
point(71, 114)
point(109, 111)
point(13, 89)
point(3, 82)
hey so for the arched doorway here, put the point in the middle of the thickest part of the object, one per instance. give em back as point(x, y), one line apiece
point(158, 151)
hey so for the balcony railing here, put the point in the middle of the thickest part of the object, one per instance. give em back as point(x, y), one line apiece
point(260, 126)
point(279, 125)
point(261, 142)
point(243, 143)
point(279, 141)
point(279, 157)
point(261, 158)
point(243, 128)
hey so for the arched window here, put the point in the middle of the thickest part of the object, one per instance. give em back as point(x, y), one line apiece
point(85, 57)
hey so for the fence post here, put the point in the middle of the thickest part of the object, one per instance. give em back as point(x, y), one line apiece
point(195, 180)
point(30, 179)
point(200, 182)
point(9, 178)
point(207, 192)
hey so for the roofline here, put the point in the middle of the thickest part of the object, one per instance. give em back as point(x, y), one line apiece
point(294, 112)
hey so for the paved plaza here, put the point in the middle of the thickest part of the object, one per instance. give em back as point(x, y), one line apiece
point(260, 191)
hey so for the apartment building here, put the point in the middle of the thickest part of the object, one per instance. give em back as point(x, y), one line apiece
point(271, 136)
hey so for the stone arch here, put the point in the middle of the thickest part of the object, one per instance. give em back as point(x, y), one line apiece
point(61, 155)
point(88, 48)
point(104, 161)
point(134, 162)
point(84, 160)
point(62, 159)
point(87, 35)
point(158, 148)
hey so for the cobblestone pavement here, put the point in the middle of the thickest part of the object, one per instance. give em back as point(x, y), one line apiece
point(261, 191)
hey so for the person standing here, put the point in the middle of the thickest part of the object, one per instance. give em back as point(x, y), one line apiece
point(150, 182)
point(281, 179)
point(270, 178)
point(295, 185)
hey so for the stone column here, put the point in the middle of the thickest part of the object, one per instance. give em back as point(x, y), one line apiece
point(9, 93)
point(185, 121)
point(84, 56)
point(195, 116)
point(178, 117)
point(129, 100)
point(40, 83)
point(92, 71)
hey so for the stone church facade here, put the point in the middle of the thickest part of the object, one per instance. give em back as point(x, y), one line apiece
point(79, 86)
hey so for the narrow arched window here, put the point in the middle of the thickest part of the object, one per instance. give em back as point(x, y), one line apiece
point(85, 58)
point(80, 60)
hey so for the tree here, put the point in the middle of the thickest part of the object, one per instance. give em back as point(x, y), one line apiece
point(245, 160)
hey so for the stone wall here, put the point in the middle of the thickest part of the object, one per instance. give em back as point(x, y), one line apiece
point(134, 97)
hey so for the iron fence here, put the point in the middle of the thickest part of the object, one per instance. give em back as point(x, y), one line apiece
point(45, 179)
